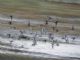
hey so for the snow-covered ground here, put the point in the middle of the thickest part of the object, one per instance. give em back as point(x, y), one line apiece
point(42, 48)
point(40, 35)
point(63, 50)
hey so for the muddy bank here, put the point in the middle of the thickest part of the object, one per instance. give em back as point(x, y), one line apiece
point(67, 1)
point(17, 57)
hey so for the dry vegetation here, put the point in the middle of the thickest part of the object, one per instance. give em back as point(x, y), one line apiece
point(40, 9)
